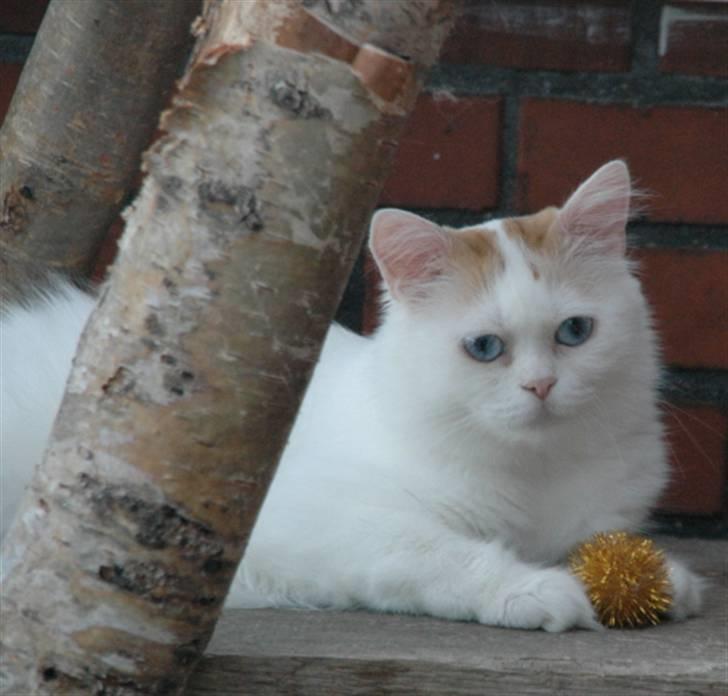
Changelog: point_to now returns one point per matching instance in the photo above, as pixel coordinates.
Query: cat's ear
(599, 209)
(410, 251)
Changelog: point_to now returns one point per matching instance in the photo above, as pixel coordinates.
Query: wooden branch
(98, 75)
(192, 368)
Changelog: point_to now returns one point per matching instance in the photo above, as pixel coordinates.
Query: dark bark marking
(154, 525)
(213, 566)
(171, 185)
(13, 213)
(149, 343)
(298, 101)
(187, 653)
(173, 383)
(170, 286)
(122, 382)
(136, 577)
(49, 674)
(230, 205)
(152, 581)
(153, 325)
(85, 453)
(176, 381)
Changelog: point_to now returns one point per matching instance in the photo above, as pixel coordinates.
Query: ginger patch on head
(538, 232)
(474, 256)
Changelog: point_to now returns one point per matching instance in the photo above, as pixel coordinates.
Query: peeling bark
(99, 73)
(193, 366)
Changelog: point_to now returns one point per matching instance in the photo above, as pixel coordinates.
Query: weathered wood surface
(303, 652)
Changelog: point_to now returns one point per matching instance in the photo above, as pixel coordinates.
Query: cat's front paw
(687, 590)
(550, 599)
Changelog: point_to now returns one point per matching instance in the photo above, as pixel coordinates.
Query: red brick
(448, 156)
(547, 35)
(21, 16)
(107, 253)
(688, 291)
(697, 442)
(694, 38)
(9, 76)
(679, 154)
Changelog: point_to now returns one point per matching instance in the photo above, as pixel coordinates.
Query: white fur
(37, 344)
(417, 479)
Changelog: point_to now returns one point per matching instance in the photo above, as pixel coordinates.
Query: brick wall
(529, 98)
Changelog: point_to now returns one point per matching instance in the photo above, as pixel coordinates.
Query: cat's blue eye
(484, 348)
(574, 331)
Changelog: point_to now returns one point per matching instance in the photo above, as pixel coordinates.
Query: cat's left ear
(599, 209)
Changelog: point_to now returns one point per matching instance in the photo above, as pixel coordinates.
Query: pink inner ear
(599, 208)
(409, 250)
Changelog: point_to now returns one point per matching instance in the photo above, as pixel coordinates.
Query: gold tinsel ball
(626, 578)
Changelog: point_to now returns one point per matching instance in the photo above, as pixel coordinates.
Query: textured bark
(87, 103)
(191, 370)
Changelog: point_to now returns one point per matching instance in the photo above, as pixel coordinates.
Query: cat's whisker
(676, 463)
(714, 465)
(674, 407)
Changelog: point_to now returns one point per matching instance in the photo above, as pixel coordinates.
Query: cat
(504, 411)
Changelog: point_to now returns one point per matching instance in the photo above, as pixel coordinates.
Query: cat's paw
(551, 599)
(687, 590)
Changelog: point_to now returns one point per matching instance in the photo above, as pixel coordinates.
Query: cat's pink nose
(540, 387)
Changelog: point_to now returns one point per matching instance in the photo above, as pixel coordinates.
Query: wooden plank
(307, 652)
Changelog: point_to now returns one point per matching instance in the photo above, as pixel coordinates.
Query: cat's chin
(533, 426)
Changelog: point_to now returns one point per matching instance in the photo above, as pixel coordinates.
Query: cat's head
(518, 324)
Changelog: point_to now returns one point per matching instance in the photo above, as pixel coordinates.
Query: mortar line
(645, 29)
(639, 90)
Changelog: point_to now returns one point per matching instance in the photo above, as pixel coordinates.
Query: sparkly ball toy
(625, 577)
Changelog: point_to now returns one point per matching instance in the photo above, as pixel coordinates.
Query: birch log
(87, 103)
(191, 370)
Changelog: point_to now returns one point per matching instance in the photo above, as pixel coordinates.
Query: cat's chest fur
(537, 506)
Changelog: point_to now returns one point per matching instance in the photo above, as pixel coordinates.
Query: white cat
(504, 412)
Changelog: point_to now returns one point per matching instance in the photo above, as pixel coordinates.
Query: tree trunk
(87, 103)
(192, 368)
